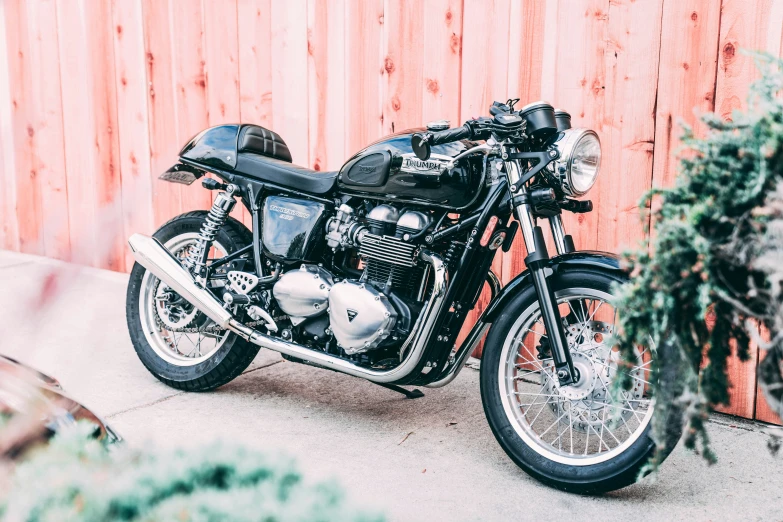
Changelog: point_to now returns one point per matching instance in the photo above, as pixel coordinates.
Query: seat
(258, 140)
(272, 170)
(263, 155)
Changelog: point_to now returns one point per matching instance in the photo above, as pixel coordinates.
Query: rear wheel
(579, 438)
(176, 342)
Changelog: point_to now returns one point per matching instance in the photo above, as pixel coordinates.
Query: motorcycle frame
(441, 360)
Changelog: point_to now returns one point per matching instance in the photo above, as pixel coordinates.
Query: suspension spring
(453, 254)
(216, 218)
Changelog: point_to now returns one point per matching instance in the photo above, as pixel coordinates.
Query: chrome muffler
(153, 256)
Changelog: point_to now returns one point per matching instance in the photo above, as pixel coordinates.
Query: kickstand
(410, 394)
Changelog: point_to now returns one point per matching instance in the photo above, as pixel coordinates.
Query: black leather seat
(284, 174)
(263, 155)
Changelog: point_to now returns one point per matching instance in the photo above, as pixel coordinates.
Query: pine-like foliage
(76, 478)
(712, 276)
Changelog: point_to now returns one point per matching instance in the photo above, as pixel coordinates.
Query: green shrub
(715, 252)
(77, 478)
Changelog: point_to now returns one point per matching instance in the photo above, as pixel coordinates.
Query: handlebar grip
(449, 135)
(422, 142)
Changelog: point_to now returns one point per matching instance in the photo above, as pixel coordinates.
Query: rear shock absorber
(197, 256)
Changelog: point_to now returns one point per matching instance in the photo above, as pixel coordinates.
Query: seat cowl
(218, 146)
(215, 146)
(285, 174)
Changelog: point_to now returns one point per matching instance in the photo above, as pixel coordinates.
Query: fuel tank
(389, 170)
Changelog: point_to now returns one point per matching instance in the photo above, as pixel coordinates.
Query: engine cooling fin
(389, 249)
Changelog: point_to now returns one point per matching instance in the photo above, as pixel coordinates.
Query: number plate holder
(181, 173)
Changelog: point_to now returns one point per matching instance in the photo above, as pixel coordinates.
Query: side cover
(292, 228)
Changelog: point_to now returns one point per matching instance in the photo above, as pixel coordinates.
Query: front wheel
(576, 438)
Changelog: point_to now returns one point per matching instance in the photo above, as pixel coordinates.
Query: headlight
(579, 161)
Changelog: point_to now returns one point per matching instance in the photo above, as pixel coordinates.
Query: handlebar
(422, 142)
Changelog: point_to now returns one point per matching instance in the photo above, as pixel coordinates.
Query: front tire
(199, 361)
(574, 438)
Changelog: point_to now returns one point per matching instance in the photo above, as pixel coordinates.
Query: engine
(377, 308)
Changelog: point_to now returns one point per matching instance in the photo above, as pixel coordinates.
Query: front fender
(585, 258)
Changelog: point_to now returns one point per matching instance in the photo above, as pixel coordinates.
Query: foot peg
(242, 282)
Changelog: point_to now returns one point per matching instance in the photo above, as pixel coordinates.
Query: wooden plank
(29, 215)
(132, 120)
(47, 125)
(289, 76)
(364, 66)
(221, 46)
(755, 26)
(743, 26)
(580, 81)
(485, 55)
(77, 114)
(101, 105)
(525, 74)
(764, 411)
(190, 61)
(255, 65)
(631, 81)
(255, 62)
(686, 78)
(485, 43)
(442, 61)
(9, 227)
(326, 84)
(743, 387)
(161, 103)
(403, 65)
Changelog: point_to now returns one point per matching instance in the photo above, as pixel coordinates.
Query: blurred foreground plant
(76, 477)
(717, 252)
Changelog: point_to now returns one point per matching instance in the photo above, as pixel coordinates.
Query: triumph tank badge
(413, 165)
(351, 314)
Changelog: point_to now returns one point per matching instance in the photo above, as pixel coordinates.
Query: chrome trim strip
(155, 258)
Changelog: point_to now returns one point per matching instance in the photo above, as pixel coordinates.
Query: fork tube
(537, 261)
(558, 234)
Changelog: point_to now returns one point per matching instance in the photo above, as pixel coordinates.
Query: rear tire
(515, 430)
(232, 354)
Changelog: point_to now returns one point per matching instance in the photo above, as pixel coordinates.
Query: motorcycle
(371, 271)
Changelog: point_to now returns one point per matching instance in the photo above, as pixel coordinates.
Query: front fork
(537, 261)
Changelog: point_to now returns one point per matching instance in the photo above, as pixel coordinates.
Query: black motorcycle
(372, 270)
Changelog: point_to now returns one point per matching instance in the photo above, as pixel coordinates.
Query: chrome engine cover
(360, 316)
(303, 293)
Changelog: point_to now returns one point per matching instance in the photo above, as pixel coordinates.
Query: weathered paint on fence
(97, 97)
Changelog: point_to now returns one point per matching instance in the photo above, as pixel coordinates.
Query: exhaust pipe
(154, 257)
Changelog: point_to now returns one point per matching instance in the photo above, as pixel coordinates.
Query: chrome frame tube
(458, 359)
(155, 258)
(558, 233)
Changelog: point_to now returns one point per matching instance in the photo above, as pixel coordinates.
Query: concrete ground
(428, 459)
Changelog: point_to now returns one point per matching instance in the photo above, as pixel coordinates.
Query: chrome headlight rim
(567, 146)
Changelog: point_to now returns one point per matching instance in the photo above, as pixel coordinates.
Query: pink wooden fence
(97, 96)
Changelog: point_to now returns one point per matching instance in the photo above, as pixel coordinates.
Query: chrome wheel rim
(178, 348)
(578, 425)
